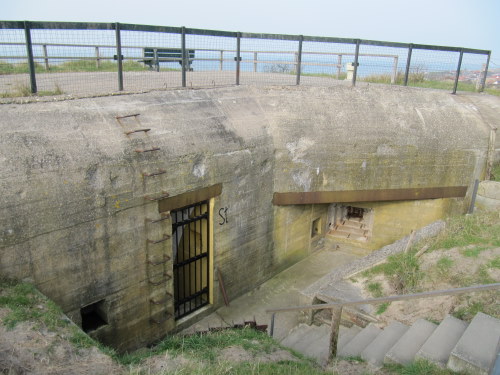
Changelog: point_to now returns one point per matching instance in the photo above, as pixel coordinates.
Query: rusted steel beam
(182, 200)
(317, 197)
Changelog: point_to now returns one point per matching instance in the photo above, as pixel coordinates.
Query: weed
(494, 263)
(418, 367)
(495, 171)
(382, 308)
(444, 264)
(474, 252)
(375, 289)
(481, 229)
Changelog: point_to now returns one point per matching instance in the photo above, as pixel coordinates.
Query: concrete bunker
(131, 223)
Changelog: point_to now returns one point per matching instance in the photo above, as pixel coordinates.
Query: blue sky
(460, 23)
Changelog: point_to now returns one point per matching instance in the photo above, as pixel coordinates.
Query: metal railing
(337, 307)
(308, 52)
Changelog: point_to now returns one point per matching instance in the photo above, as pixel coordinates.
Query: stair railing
(337, 307)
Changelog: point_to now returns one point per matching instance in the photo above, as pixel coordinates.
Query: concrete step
(353, 224)
(476, 349)
(347, 235)
(441, 342)
(375, 352)
(312, 341)
(404, 350)
(359, 342)
(348, 335)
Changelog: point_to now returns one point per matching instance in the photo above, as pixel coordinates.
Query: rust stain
(317, 197)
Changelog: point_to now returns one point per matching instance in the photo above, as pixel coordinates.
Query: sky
(457, 23)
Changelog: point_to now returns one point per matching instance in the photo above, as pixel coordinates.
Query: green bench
(154, 56)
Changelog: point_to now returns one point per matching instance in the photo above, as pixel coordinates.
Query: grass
(21, 90)
(77, 66)
(419, 367)
(375, 289)
(382, 308)
(477, 229)
(26, 303)
(495, 171)
(402, 271)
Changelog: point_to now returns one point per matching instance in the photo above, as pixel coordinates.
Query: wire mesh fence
(325, 62)
(81, 59)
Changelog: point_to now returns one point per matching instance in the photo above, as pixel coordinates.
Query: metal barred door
(190, 242)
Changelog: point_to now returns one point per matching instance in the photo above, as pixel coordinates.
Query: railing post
(31, 61)
(299, 59)
(238, 57)
(119, 56)
(45, 57)
(473, 198)
(408, 63)
(485, 73)
(394, 71)
(356, 55)
(183, 51)
(458, 71)
(334, 334)
(271, 328)
(221, 60)
(97, 59)
(155, 57)
(339, 65)
(255, 62)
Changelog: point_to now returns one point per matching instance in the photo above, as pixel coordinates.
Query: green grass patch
(402, 270)
(77, 66)
(477, 229)
(494, 263)
(21, 90)
(444, 264)
(375, 289)
(27, 304)
(495, 171)
(419, 367)
(473, 252)
(382, 308)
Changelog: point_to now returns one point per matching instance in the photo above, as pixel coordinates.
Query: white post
(339, 66)
(394, 71)
(97, 59)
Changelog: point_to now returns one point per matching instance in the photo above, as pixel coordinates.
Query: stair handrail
(337, 307)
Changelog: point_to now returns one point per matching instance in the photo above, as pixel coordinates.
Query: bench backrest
(165, 53)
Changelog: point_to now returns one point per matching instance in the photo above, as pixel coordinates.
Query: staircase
(454, 344)
(353, 228)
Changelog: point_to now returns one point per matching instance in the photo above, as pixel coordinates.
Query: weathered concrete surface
(488, 196)
(476, 350)
(438, 347)
(72, 193)
(403, 352)
(375, 352)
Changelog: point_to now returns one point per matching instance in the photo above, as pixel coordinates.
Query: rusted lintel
(145, 130)
(163, 196)
(317, 197)
(147, 150)
(133, 115)
(164, 238)
(166, 277)
(153, 174)
(185, 199)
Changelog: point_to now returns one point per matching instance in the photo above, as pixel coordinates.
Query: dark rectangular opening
(191, 250)
(93, 316)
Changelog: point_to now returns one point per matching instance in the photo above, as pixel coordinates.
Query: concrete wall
(72, 192)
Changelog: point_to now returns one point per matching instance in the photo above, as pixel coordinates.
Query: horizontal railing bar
(435, 293)
(220, 33)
